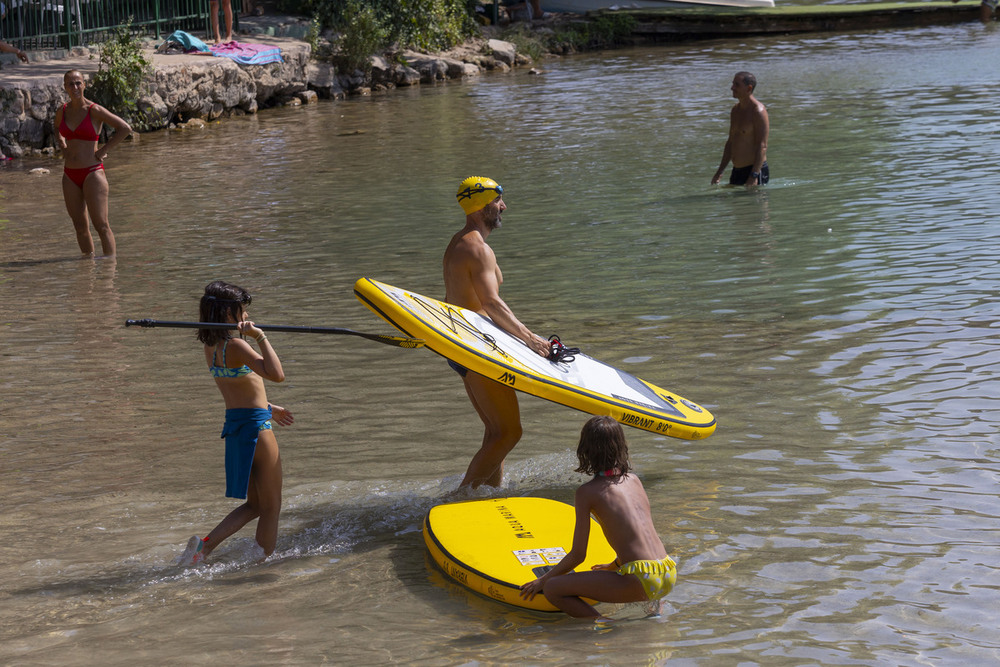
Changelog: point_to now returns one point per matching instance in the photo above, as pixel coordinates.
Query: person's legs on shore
(227, 17)
(213, 18)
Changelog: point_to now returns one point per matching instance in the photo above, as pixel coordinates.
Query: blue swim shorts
(240, 431)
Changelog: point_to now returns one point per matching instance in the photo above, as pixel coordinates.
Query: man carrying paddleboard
(472, 280)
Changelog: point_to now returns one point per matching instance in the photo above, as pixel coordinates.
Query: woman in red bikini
(85, 187)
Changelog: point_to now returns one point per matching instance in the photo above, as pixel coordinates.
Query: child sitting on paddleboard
(642, 570)
(253, 465)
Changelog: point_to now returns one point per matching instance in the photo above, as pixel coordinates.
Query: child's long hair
(219, 302)
(602, 447)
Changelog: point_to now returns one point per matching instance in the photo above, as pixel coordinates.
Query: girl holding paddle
(253, 464)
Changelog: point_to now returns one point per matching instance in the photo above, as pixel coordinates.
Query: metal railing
(54, 24)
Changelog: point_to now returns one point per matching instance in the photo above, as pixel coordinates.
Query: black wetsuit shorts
(740, 176)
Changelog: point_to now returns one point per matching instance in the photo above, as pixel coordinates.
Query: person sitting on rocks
(530, 9)
(250, 9)
(986, 9)
(8, 48)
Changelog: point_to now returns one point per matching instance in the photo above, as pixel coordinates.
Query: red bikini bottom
(78, 176)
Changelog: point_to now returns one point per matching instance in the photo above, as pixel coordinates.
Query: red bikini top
(84, 131)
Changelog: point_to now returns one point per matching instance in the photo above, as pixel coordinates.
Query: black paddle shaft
(398, 341)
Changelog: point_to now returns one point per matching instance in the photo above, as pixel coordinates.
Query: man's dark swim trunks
(461, 370)
(741, 175)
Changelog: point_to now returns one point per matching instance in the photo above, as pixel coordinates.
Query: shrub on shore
(367, 27)
(359, 29)
(123, 70)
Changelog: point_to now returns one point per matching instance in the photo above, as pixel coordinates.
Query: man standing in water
(472, 280)
(748, 130)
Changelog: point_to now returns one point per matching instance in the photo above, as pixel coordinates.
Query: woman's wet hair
(602, 447)
(219, 302)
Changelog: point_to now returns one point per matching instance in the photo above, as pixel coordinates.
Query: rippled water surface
(838, 322)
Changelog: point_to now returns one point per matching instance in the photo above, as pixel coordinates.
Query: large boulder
(437, 68)
(503, 51)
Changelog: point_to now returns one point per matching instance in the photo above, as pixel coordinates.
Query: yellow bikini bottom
(657, 576)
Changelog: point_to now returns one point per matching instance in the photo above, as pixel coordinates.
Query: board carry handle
(397, 341)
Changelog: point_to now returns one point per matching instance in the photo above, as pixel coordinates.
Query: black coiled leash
(561, 353)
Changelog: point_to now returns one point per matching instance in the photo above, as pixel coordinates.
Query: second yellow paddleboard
(495, 546)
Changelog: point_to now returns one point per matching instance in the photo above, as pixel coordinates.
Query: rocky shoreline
(187, 90)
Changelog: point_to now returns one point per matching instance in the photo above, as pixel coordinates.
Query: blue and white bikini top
(222, 371)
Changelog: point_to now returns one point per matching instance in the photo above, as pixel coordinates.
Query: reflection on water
(837, 322)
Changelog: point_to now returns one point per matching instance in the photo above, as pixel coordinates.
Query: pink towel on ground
(248, 54)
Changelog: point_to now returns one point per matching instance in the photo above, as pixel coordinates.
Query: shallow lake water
(839, 322)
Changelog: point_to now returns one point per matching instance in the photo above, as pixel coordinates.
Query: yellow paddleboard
(473, 341)
(495, 546)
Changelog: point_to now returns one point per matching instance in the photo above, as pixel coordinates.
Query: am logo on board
(514, 523)
(459, 575)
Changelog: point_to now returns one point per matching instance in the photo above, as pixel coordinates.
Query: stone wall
(188, 87)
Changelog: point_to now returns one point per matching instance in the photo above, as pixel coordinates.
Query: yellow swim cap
(475, 192)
